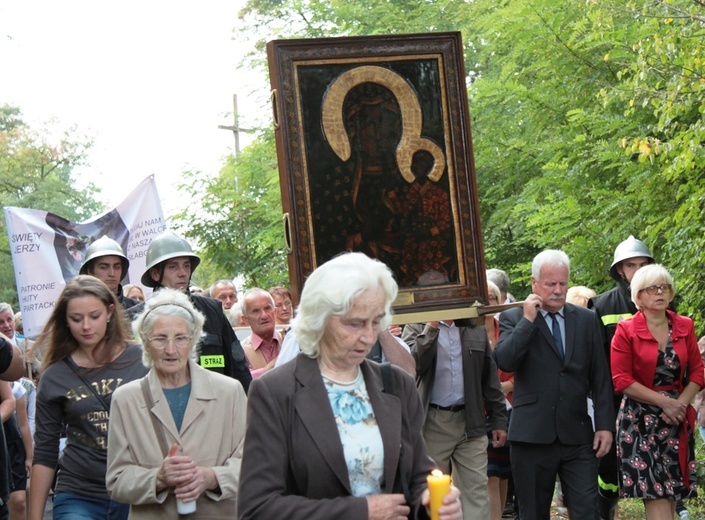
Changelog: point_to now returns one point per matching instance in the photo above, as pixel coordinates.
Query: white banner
(48, 250)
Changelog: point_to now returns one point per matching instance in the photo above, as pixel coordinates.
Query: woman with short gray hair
(168, 305)
(176, 435)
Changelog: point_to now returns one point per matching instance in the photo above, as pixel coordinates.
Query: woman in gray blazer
(331, 434)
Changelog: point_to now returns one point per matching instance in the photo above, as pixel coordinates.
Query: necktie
(556, 329)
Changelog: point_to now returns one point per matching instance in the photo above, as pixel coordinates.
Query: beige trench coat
(212, 434)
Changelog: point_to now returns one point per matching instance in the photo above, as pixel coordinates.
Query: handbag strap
(85, 381)
(144, 383)
(388, 388)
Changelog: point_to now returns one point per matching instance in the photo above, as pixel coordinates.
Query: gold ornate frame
(374, 150)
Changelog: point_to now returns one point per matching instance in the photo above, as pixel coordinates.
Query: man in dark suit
(555, 351)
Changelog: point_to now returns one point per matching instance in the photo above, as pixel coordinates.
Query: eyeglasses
(287, 304)
(654, 289)
(161, 342)
(493, 298)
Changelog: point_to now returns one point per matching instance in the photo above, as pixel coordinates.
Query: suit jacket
(294, 466)
(483, 392)
(550, 396)
(212, 434)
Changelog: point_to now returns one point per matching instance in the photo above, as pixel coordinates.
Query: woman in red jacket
(657, 366)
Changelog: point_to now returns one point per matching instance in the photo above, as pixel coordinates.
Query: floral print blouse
(359, 435)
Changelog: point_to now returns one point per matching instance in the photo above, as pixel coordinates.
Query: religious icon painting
(375, 155)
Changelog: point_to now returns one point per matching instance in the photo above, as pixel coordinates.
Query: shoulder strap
(387, 379)
(76, 371)
(388, 388)
(255, 357)
(144, 384)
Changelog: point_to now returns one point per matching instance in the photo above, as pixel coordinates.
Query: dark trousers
(535, 466)
(4, 476)
(608, 469)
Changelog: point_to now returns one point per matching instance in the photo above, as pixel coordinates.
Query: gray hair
(234, 314)
(255, 291)
(331, 290)
(6, 307)
(168, 302)
(552, 257)
(211, 291)
(499, 278)
(651, 274)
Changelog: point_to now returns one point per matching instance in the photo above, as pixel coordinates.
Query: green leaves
(236, 217)
(587, 122)
(613, 147)
(36, 171)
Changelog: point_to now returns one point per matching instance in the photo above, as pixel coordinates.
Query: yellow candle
(438, 487)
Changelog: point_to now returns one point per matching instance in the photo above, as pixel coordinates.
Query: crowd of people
(186, 401)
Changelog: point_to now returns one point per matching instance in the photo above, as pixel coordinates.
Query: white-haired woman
(656, 364)
(178, 433)
(326, 437)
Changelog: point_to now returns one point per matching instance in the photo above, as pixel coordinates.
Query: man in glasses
(612, 307)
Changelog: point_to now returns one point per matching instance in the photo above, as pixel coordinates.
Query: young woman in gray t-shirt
(87, 356)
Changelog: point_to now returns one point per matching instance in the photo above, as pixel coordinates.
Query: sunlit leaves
(36, 171)
(587, 121)
(235, 217)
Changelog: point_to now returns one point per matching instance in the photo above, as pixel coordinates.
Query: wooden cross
(235, 129)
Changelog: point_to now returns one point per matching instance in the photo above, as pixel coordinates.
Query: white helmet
(629, 248)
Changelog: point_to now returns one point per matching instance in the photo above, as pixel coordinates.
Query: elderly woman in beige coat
(176, 436)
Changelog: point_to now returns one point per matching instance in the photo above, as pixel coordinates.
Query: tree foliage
(587, 121)
(235, 218)
(589, 128)
(36, 171)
